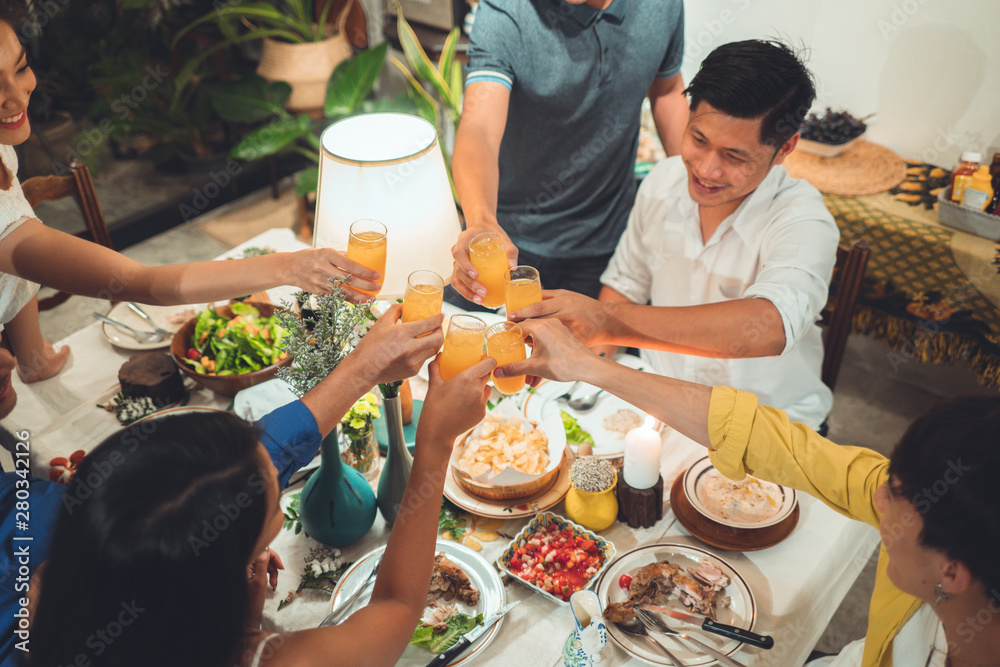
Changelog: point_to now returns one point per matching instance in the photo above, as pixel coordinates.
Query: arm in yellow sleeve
(748, 438)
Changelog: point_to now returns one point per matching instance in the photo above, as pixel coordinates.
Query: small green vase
(398, 461)
(337, 506)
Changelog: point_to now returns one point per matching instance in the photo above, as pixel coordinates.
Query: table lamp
(388, 167)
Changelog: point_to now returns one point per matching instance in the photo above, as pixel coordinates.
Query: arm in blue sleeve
(291, 437)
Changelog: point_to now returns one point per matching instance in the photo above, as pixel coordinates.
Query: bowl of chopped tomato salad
(556, 557)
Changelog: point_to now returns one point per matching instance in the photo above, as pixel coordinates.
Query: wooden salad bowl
(225, 385)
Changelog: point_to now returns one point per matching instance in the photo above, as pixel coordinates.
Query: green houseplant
(295, 49)
(446, 80)
(252, 100)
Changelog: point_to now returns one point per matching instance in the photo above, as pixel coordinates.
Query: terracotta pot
(306, 67)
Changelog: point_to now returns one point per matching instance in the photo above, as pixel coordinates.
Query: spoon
(562, 399)
(141, 336)
(142, 313)
(654, 624)
(635, 627)
(586, 402)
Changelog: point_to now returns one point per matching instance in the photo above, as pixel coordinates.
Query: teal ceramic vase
(398, 461)
(337, 506)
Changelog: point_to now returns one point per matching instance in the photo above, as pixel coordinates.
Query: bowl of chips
(506, 457)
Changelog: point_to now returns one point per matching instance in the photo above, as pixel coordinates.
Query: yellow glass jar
(594, 510)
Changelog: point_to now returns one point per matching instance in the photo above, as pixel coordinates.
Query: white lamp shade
(388, 167)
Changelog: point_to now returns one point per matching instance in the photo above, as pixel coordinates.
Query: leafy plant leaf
(417, 57)
(249, 100)
(352, 81)
(296, 30)
(269, 139)
(308, 181)
(427, 106)
(448, 52)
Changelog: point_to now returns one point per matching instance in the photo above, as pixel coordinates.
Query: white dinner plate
(742, 610)
(481, 574)
(607, 444)
(160, 314)
(725, 512)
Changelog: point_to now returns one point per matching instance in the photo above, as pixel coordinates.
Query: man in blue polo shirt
(546, 147)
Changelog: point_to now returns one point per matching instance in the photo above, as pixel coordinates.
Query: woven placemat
(863, 169)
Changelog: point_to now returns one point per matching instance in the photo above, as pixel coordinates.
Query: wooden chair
(78, 184)
(839, 314)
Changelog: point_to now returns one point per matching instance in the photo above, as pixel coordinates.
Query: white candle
(642, 458)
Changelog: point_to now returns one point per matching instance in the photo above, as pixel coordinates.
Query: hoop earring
(942, 596)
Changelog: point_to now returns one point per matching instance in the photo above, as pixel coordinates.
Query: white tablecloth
(798, 584)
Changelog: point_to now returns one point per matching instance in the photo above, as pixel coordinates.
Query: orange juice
(488, 257)
(423, 297)
(505, 343)
(522, 288)
(421, 302)
(463, 345)
(367, 246)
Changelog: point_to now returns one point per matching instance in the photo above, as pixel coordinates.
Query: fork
(654, 624)
(134, 307)
(141, 336)
(334, 616)
(563, 399)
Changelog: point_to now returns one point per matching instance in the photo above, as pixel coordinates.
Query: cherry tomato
(193, 354)
(625, 581)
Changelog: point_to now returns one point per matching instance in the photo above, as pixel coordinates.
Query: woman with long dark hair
(149, 559)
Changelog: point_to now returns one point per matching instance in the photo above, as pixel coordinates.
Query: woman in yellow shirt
(937, 593)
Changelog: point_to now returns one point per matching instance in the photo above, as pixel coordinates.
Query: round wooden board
(724, 537)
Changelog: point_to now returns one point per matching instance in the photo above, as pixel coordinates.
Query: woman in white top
(33, 254)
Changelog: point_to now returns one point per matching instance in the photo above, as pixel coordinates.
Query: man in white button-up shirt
(732, 256)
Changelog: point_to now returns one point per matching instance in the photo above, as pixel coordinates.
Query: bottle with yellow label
(978, 191)
(960, 177)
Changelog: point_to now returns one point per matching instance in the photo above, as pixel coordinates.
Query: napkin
(551, 426)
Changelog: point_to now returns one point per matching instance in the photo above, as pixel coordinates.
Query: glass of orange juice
(489, 257)
(367, 246)
(423, 297)
(505, 343)
(463, 345)
(523, 287)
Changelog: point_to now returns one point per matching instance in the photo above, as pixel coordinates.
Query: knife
(731, 631)
(472, 635)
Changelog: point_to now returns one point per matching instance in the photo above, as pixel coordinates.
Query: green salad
(231, 346)
(575, 435)
(458, 625)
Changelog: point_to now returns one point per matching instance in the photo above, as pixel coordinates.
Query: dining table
(797, 584)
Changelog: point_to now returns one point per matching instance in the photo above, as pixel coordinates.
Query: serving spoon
(636, 628)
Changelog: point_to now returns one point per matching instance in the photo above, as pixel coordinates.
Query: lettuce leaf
(458, 625)
(575, 435)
